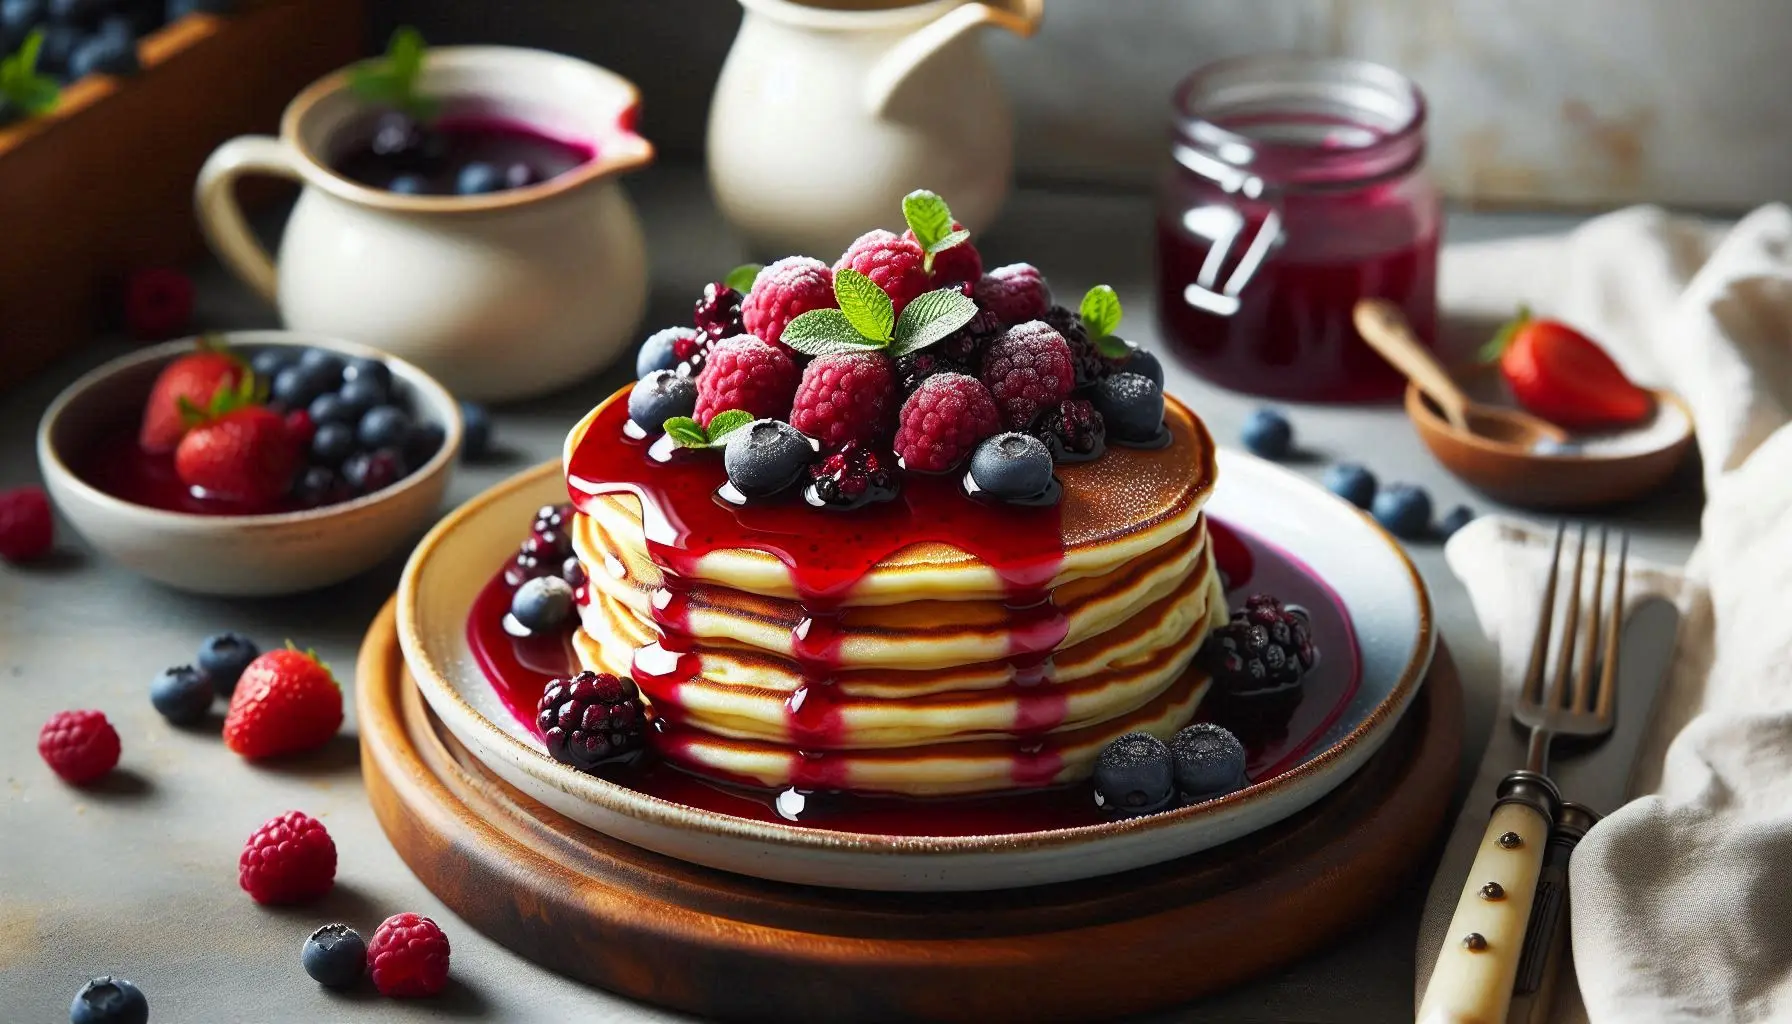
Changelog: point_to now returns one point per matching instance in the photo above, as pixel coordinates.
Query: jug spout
(900, 64)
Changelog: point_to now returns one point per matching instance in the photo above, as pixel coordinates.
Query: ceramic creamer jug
(824, 117)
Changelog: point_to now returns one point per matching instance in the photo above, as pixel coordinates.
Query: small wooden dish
(1606, 468)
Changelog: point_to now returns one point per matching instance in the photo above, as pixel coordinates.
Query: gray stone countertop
(138, 878)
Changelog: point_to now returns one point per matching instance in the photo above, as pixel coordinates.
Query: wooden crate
(103, 185)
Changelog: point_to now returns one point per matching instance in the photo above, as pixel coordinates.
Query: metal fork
(1586, 706)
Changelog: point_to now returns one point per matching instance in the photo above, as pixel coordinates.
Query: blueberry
(182, 695)
(402, 139)
(573, 571)
(335, 956)
(1352, 482)
(122, 25)
(325, 363)
(223, 657)
(373, 372)
(765, 456)
(362, 395)
(332, 443)
(59, 44)
(1133, 775)
(1459, 517)
(658, 352)
(660, 396)
(384, 426)
(408, 185)
(1131, 405)
(366, 472)
(425, 440)
(1143, 363)
(1209, 762)
(1268, 433)
(475, 431)
(296, 386)
(104, 54)
(330, 408)
(18, 18)
(181, 8)
(520, 174)
(268, 363)
(542, 604)
(109, 1001)
(1403, 510)
(1012, 466)
(78, 12)
(477, 178)
(318, 486)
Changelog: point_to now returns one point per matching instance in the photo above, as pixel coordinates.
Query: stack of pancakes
(921, 693)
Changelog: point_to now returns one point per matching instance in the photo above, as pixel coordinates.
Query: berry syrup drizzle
(1277, 736)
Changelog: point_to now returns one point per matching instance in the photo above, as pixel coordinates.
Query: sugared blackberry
(551, 517)
(849, 476)
(1264, 650)
(965, 346)
(1087, 360)
(1073, 430)
(525, 567)
(545, 549)
(591, 719)
(916, 367)
(717, 313)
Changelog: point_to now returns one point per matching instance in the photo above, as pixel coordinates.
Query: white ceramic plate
(1378, 586)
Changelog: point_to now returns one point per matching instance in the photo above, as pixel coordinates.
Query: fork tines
(1588, 687)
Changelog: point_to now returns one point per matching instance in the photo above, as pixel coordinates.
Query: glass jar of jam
(1296, 189)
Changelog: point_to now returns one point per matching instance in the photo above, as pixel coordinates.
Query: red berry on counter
(408, 957)
(196, 378)
(286, 702)
(289, 859)
(26, 527)
(80, 746)
(158, 303)
(1565, 377)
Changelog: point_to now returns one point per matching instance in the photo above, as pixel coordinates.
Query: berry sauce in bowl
(457, 154)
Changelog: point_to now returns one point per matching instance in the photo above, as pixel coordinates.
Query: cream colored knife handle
(1472, 981)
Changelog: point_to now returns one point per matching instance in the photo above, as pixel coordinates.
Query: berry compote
(457, 154)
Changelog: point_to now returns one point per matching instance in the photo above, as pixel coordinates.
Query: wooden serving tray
(724, 945)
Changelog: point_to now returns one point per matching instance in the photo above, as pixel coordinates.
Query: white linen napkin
(1681, 901)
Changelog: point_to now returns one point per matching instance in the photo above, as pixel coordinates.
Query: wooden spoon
(1384, 327)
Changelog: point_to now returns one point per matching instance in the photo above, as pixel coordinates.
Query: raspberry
(26, 527)
(892, 263)
(850, 476)
(783, 291)
(1028, 369)
(1088, 361)
(290, 859)
(744, 372)
(962, 262)
(717, 313)
(943, 420)
(591, 718)
(1263, 651)
(158, 303)
(1073, 430)
(408, 956)
(80, 746)
(845, 397)
(916, 367)
(1015, 293)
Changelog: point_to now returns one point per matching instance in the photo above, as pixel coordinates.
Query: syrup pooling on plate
(1277, 737)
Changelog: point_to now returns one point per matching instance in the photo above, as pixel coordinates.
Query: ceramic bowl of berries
(250, 462)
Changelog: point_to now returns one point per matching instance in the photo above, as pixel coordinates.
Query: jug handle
(221, 216)
(906, 57)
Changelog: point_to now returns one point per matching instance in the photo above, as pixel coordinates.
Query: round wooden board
(724, 945)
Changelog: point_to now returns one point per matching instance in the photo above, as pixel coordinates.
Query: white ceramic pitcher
(497, 295)
(825, 117)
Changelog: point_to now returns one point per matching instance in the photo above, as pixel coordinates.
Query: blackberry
(965, 346)
(551, 517)
(849, 476)
(1073, 431)
(591, 719)
(916, 367)
(1263, 651)
(1085, 358)
(717, 313)
(545, 550)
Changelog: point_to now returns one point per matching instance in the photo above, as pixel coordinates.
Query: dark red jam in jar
(1295, 189)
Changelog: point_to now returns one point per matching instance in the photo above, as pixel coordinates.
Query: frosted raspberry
(1027, 369)
(845, 397)
(943, 420)
(891, 262)
(783, 291)
(962, 262)
(744, 372)
(1015, 293)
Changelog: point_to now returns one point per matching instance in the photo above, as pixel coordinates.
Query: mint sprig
(391, 80)
(20, 84)
(867, 322)
(930, 219)
(1100, 313)
(741, 278)
(691, 434)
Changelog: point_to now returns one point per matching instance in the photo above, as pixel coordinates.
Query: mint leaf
(1112, 347)
(864, 305)
(947, 241)
(741, 278)
(687, 432)
(20, 83)
(392, 79)
(928, 217)
(724, 423)
(930, 318)
(405, 52)
(823, 332)
(1100, 311)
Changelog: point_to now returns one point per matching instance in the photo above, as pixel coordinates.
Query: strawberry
(196, 378)
(286, 702)
(237, 450)
(1564, 376)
